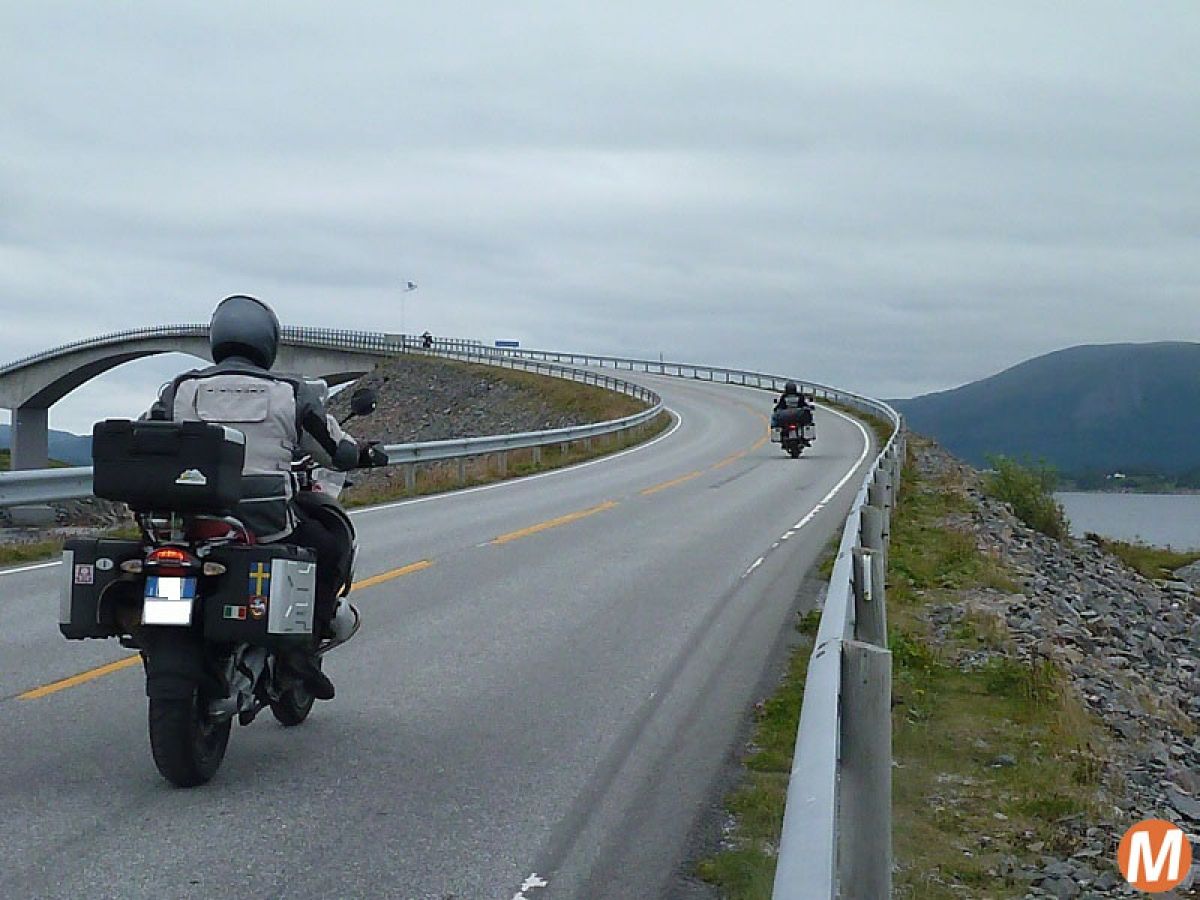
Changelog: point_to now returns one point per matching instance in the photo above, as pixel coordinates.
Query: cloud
(891, 199)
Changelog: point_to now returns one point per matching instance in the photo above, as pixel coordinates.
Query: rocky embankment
(1129, 646)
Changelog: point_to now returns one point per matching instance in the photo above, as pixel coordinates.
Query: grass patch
(18, 552)
(29, 551)
(744, 869)
(589, 402)
(991, 758)
(1152, 562)
(1029, 489)
(927, 555)
(435, 478)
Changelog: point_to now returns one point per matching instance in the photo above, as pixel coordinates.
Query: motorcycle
(790, 430)
(213, 612)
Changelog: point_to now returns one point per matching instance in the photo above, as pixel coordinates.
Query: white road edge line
(449, 494)
(43, 565)
(529, 884)
(825, 501)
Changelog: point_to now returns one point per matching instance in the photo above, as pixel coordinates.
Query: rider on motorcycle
(283, 417)
(791, 398)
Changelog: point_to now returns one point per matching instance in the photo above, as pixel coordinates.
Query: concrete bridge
(30, 386)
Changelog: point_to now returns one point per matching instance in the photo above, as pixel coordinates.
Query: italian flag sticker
(235, 612)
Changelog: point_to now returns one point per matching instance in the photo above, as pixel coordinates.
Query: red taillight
(168, 555)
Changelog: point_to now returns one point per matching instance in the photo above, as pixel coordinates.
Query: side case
(90, 575)
(267, 596)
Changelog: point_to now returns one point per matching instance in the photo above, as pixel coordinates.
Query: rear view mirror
(363, 402)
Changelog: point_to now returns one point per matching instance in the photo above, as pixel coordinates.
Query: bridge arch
(30, 386)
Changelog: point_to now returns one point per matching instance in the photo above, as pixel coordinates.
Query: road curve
(550, 676)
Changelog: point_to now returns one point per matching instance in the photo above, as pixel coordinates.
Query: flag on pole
(410, 285)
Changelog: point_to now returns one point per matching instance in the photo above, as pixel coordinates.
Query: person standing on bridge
(283, 417)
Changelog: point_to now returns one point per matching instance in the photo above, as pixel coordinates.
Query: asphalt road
(549, 679)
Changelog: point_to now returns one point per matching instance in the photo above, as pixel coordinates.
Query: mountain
(70, 448)
(1091, 409)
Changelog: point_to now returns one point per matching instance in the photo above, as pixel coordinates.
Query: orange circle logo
(1155, 855)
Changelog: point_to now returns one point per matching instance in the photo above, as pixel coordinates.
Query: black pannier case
(168, 466)
(267, 596)
(90, 574)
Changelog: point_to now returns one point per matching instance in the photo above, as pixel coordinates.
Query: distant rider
(283, 417)
(791, 398)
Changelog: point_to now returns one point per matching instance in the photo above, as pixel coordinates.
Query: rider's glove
(372, 455)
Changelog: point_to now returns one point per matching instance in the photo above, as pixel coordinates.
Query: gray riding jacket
(282, 416)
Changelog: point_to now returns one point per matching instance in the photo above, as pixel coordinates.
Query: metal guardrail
(837, 826)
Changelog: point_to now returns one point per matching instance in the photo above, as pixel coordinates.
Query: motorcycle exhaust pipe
(345, 624)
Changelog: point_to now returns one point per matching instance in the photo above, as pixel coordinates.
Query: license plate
(168, 601)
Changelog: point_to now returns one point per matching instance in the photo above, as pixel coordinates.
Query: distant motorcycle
(210, 609)
(793, 430)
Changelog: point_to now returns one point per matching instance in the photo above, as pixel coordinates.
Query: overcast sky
(895, 197)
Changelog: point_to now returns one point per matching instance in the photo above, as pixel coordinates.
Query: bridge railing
(291, 335)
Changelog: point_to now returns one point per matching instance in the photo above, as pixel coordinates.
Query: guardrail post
(462, 469)
(865, 811)
(870, 614)
(871, 536)
(410, 476)
(502, 463)
(537, 456)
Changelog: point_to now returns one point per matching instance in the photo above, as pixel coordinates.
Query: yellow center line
(100, 671)
(669, 484)
(553, 523)
(394, 573)
(732, 458)
(83, 677)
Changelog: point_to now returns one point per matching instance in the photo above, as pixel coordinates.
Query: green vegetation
(18, 552)
(1152, 562)
(435, 478)
(31, 551)
(745, 867)
(990, 756)
(588, 402)
(1029, 489)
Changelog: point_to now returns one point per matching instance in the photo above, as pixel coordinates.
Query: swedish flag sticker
(260, 581)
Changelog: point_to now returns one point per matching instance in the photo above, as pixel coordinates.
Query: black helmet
(790, 388)
(244, 326)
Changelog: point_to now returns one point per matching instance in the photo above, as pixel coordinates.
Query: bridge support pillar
(30, 440)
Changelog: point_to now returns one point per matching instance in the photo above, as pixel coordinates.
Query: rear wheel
(293, 707)
(187, 744)
(795, 451)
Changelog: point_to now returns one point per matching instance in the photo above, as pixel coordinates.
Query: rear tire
(293, 707)
(795, 451)
(188, 746)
